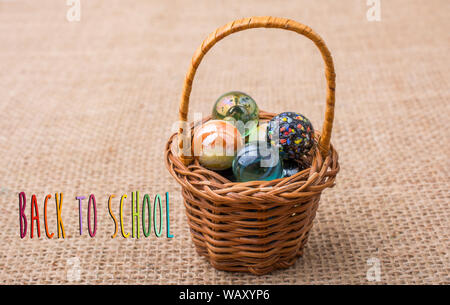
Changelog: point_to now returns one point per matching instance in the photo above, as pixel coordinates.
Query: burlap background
(86, 107)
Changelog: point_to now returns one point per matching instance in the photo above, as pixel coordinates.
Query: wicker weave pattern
(256, 226)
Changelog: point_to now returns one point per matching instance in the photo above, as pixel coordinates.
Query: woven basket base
(260, 267)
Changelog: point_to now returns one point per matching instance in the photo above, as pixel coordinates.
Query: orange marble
(215, 144)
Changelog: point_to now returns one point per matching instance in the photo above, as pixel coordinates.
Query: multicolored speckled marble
(293, 133)
(238, 108)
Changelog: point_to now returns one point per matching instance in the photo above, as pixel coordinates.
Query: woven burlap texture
(86, 108)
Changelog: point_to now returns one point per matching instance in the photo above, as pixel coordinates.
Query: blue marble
(257, 161)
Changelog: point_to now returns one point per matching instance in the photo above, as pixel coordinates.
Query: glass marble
(290, 168)
(215, 144)
(239, 108)
(258, 134)
(257, 161)
(292, 133)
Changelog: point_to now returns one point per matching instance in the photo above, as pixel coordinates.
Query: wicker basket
(255, 226)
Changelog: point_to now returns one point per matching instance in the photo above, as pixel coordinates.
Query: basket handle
(260, 22)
